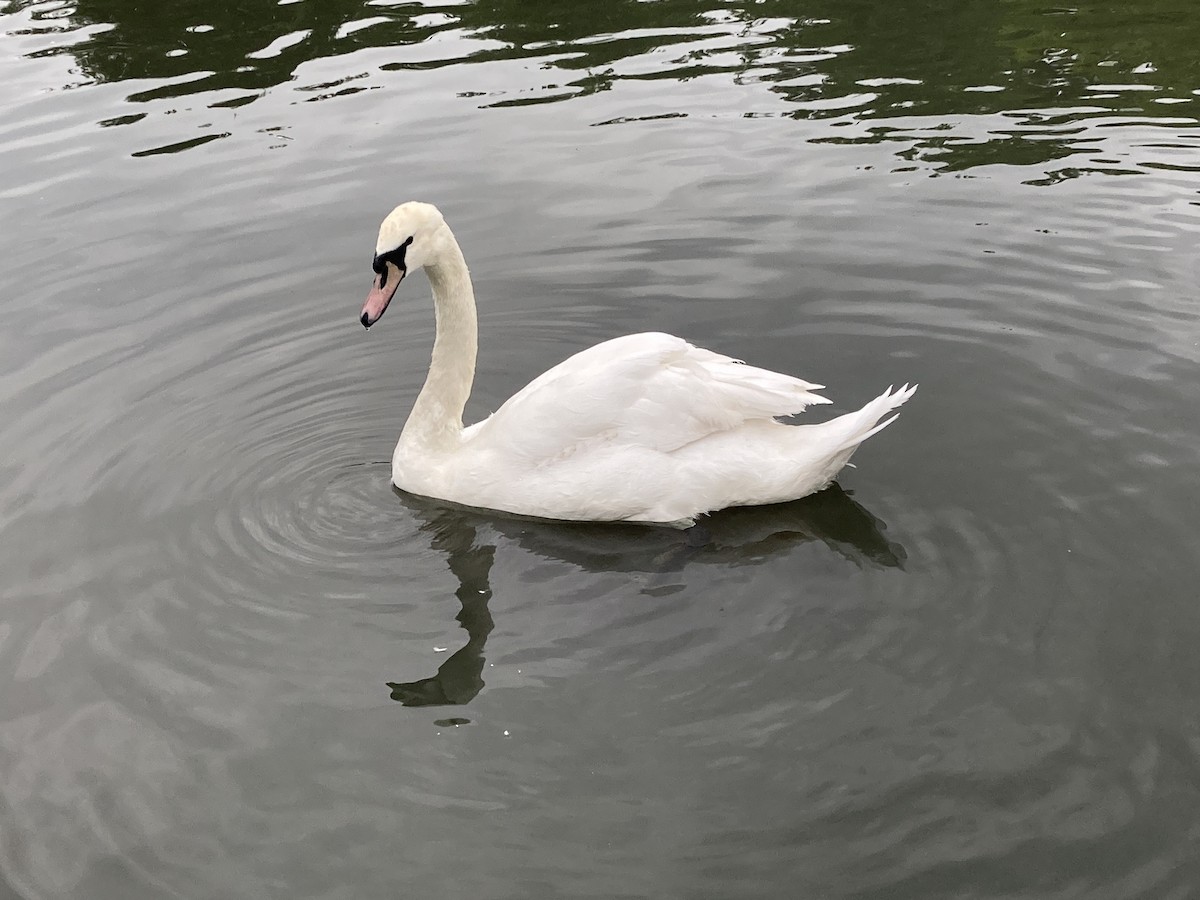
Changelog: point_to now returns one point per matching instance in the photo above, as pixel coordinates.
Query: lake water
(235, 663)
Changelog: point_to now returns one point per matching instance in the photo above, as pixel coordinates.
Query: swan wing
(652, 391)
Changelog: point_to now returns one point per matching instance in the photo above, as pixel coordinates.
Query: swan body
(640, 428)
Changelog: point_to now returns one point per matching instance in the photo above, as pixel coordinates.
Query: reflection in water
(200, 590)
(731, 537)
(900, 63)
(458, 679)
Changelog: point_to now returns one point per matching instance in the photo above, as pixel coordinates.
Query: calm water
(235, 663)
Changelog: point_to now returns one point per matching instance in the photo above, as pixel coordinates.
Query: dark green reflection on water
(731, 537)
(858, 61)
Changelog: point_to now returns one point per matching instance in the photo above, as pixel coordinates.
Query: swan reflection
(458, 679)
(732, 537)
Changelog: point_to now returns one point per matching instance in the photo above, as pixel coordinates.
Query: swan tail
(858, 426)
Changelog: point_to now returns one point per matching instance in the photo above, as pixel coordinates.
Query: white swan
(641, 428)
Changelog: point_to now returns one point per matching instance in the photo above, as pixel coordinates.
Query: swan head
(409, 238)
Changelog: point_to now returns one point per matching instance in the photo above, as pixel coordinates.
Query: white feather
(642, 428)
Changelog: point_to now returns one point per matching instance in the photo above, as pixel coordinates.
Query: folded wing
(649, 390)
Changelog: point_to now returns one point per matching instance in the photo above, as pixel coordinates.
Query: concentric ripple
(226, 642)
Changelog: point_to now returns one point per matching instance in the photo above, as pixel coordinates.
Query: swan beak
(381, 294)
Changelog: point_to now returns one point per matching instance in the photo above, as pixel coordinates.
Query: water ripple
(225, 639)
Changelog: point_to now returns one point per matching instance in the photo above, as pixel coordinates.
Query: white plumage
(641, 428)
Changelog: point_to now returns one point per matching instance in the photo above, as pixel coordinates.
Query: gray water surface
(235, 663)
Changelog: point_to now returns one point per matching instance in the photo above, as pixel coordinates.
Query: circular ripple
(304, 489)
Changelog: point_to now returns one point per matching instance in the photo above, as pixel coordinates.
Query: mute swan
(641, 428)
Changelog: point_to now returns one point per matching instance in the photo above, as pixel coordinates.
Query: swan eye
(380, 261)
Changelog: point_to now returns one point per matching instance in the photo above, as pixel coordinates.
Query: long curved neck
(436, 418)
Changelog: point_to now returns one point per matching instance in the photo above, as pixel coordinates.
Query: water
(235, 663)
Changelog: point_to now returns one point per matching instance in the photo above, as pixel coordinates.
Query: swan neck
(436, 418)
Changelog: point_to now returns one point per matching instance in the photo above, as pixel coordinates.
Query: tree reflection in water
(732, 537)
(910, 76)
